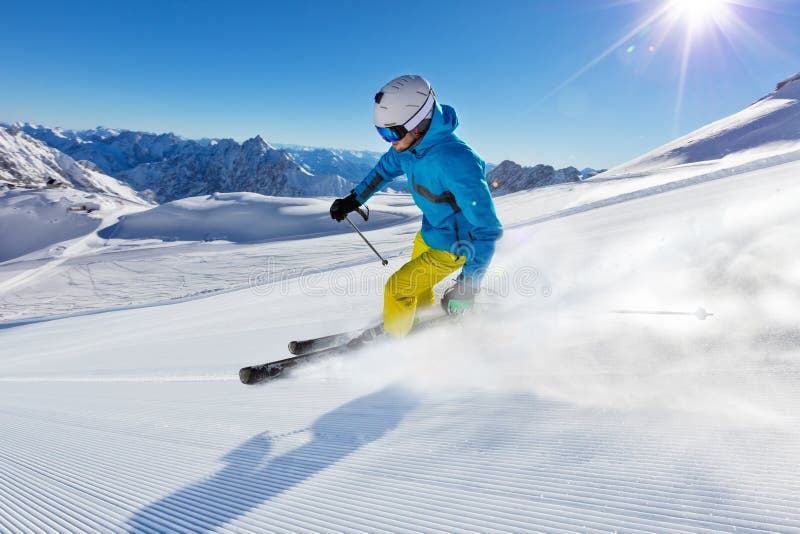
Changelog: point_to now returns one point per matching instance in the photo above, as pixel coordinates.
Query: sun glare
(690, 30)
(698, 12)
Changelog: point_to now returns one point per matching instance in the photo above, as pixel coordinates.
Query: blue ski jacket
(448, 182)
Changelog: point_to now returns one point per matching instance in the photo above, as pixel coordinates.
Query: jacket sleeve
(387, 169)
(467, 182)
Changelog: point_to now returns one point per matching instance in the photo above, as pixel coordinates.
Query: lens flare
(699, 12)
(689, 30)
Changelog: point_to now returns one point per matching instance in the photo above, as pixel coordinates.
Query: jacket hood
(443, 123)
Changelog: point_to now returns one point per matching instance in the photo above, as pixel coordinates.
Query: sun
(692, 30)
(700, 12)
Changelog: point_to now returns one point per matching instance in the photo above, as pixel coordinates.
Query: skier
(448, 183)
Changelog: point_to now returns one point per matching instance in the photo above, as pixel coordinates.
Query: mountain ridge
(510, 177)
(166, 166)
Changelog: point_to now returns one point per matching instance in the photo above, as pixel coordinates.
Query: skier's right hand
(342, 206)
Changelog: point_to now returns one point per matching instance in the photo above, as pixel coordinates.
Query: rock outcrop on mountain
(510, 177)
(352, 165)
(227, 166)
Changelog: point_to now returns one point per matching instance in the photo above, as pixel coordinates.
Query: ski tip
(293, 347)
(256, 374)
(245, 375)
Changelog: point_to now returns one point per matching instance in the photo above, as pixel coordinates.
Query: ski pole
(383, 261)
(700, 313)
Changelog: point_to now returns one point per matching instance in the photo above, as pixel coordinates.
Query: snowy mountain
(770, 126)
(28, 163)
(227, 166)
(509, 177)
(352, 165)
(589, 398)
(168, 167)
(111, 150)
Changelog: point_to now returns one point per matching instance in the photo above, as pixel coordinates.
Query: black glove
(342, 206)
(459, 298)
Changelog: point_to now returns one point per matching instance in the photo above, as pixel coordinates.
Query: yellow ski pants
(412, 285)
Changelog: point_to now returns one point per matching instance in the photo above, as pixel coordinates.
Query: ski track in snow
(549, 415)
(389, 460)
(196, 378)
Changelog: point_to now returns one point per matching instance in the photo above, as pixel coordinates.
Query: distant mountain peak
(510, 177)
(260, 142)
(787, 81)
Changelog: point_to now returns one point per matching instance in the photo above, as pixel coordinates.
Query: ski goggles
(391, 134)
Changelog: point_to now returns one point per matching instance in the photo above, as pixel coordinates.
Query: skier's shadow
(245, 482)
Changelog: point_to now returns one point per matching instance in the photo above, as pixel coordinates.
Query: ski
(325, 342)
(306, 346)
(255, 374)
(349, 341)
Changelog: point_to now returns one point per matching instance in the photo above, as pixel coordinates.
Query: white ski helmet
(401, 105)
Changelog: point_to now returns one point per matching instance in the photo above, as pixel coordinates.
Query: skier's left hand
(458, 298)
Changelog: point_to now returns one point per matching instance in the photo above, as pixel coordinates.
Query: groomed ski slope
(548, 413)
(178, 250)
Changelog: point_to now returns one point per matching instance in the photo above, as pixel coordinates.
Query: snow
(547, 413)
(236, 217)
(771, 123)
(31, 221)
(29, 163)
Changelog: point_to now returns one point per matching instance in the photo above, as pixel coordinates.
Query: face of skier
(404, 143)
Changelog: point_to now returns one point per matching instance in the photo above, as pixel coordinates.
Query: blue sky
(306, 72)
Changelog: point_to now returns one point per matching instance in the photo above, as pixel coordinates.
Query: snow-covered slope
(549, 414)
(770, 126)
(582, 401)
(189, 247)
(237, 217)
(30, 221)
(47, 199)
